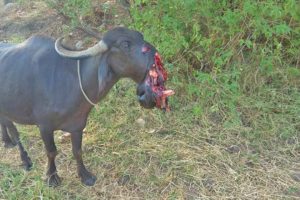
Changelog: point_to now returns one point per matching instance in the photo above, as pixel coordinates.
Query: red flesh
(155, 79)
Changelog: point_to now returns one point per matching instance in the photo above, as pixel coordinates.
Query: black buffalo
(39, 85)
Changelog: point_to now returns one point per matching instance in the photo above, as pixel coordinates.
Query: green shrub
(227, 53)
(214, 34)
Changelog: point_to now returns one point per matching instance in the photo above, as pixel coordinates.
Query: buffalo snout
(145, 96)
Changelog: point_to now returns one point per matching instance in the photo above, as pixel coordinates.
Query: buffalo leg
(8, 143)
(16, 138)
(48, 138)
(86, 177)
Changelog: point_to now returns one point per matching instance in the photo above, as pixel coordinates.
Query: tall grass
(231, 60)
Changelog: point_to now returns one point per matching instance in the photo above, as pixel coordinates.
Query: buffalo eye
(145, 49)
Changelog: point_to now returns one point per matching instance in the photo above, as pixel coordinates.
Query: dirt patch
(19, 22)
(24, 21)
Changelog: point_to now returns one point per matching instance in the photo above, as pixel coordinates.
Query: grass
(230, 135)
(172, 157)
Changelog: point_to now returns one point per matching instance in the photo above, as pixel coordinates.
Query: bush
(213, 34)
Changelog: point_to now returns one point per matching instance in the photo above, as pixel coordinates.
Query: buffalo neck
(97, 77)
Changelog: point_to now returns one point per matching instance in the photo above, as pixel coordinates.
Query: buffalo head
(128, 55)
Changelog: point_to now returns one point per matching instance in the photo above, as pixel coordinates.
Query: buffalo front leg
(15, 137)
(86, 177)
(48, 138)
(8, 143)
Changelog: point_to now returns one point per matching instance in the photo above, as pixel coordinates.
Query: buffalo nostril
(142, 98)
(141, 93)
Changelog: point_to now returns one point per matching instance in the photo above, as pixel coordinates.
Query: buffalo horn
(100, 47)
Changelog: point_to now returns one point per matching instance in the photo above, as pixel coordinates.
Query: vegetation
(74, 9)
(233, 132)
(238, 57)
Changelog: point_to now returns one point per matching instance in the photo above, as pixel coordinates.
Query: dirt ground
(19, 22)
(35, 18)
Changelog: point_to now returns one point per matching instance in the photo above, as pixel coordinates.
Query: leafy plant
(225, 51)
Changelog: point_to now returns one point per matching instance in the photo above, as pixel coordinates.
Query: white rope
(80, 83)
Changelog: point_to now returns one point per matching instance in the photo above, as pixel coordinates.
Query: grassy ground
(186, 154)
(173, 157)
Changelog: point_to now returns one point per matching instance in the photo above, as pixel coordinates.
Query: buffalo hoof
(27, 164)
(53, 180)
(88, 179)
(9, 145)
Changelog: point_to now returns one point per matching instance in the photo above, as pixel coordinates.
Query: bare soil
(25, 21)
(19, 22)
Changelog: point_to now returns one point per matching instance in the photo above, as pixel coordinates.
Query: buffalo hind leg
(48, 138)
(86, 177)
(15, 136)
(8, 143)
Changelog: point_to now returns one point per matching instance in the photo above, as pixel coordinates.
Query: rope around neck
(80, 84)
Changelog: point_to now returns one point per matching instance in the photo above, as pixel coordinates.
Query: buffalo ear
(103, 73)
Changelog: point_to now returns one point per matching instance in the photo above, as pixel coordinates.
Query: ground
(172, 156)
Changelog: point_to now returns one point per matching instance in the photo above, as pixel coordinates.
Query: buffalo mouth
(152, 92)
(145, 96)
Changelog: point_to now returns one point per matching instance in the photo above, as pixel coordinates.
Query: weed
(16, 39)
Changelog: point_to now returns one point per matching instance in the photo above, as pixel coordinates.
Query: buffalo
(38, 74)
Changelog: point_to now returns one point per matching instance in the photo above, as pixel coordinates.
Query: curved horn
(100, 47)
